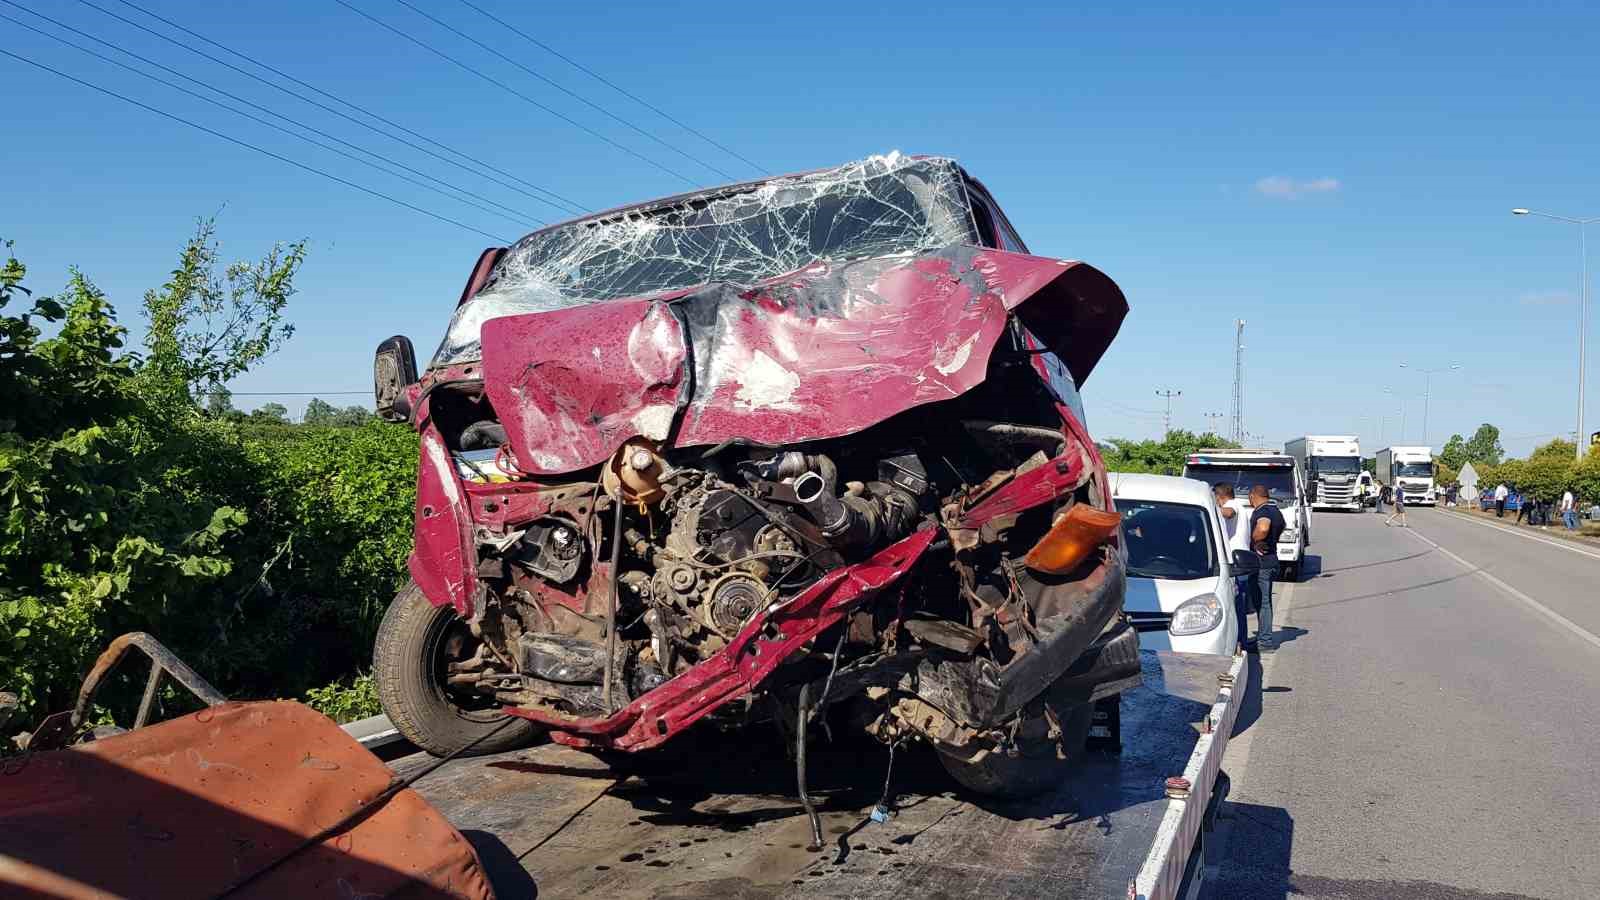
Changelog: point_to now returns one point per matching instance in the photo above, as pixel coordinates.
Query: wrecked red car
(810, 446)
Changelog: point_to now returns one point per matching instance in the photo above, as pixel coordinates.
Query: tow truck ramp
(718, 818)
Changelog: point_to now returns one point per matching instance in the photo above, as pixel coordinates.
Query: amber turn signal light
(1071, 539)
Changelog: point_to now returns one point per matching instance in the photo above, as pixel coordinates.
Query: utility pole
(1166, 425)
(1238, 381)
(1213, 420)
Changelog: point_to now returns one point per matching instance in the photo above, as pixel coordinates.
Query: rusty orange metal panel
(193, 806)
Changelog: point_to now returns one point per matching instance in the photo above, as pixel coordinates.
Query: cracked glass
(881, 206)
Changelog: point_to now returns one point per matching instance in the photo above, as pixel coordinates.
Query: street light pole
(1427, 393)
(1583, 302)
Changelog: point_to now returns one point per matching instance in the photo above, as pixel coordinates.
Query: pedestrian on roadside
(1234, 513)
(1526, 506)
(1569, 511)
(1501, 492)
(1399, 510)
(1385, 494)
(1266, 526)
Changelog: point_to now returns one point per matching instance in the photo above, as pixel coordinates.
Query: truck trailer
(1409, 470)
(1332, 467)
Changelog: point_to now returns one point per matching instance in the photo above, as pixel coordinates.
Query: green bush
(262, 554)
(346, 702)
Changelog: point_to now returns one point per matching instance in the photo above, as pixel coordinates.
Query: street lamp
(1427, 379)
(1402, 401)
(1583, 300)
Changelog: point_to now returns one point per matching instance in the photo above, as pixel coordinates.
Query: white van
(1180, 575)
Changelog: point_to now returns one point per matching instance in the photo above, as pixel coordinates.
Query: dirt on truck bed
(720, 819)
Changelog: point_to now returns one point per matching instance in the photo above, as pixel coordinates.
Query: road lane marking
(1533, 604)
(1558, 544)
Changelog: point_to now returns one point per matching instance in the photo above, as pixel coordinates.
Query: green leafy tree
(321, 412)
(269, 414)
(207, 328)
(1484, 446)
(1454, 453)
(1166, 456)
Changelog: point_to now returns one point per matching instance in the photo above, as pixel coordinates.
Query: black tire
(1035, 770)
(408, 663)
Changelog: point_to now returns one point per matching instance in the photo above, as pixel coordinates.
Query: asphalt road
(1430, 726)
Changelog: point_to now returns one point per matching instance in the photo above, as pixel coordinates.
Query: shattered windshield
(880, 206)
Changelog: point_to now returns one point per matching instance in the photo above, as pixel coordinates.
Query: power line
(578, 97)
(559, 202)
(516, 215)
(511, 90)
(603, 80)
(249, 146)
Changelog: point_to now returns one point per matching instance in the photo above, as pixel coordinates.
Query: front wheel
(416, 642)
(1037, 768)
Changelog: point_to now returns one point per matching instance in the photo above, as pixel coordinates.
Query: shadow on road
(1255, 862)
(1328, 573)
(1392, 591)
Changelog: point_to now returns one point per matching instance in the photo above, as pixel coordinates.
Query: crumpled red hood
(819, 353)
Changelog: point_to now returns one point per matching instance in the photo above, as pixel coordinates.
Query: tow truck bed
(721, 821)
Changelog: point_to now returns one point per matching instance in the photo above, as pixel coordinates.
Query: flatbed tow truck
(1131, 821)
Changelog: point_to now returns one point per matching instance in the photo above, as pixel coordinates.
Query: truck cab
(1285, 483)
(1331, 465)
(1410, 471)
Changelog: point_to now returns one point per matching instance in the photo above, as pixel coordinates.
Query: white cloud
(1545, 298)
(1282, 187)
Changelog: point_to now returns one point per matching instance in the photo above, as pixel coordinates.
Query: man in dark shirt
(1266, 526)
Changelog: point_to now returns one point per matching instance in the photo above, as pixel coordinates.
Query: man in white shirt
(1569, 512)
(1236, 526)
(1500, 495)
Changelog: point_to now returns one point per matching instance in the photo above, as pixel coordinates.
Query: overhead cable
(484, 76)
(544, 195)
(249, 146)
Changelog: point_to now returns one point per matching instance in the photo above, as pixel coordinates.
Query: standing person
(1383, 497)
(1266, 526)
(1500, 494)
(1399, 510)
(1234, 513)
(1569, 511)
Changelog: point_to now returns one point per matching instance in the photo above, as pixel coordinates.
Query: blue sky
(1339, 178)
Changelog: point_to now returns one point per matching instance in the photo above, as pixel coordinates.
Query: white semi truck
(1409, 470)
(1281, 476)
(1332, 467)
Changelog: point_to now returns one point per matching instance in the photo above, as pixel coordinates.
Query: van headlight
(1196, 616)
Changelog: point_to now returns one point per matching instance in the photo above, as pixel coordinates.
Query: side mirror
(394, 368)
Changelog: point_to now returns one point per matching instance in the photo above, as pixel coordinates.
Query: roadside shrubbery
(263, 555)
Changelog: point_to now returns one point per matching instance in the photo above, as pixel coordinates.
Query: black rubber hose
(802, 715)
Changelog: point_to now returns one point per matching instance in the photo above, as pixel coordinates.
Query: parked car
(1180, 576)
(1513, 500)
(759, 452)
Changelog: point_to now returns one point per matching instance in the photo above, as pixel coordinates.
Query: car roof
(1169, 488)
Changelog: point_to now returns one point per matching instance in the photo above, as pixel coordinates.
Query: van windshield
(880, 206)
(1167, 540)
(1278, 479)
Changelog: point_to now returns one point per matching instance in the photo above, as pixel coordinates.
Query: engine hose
(802, 714)
(611, 611)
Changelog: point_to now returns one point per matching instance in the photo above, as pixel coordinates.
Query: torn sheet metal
(192, 806)
(818, 353)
